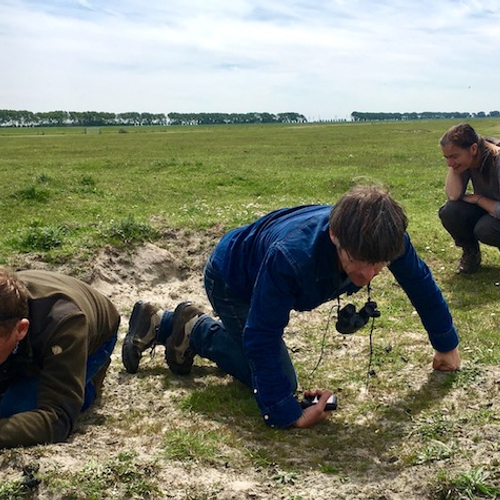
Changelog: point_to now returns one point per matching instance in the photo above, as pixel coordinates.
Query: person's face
(459, 159)
(8, 342)
(359, 272)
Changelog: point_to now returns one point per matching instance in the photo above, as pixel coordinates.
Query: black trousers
(469, 224)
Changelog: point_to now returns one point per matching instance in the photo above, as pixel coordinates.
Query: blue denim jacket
(286, 260)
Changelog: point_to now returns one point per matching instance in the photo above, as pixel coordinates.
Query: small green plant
(32, 193)
(436, 450)
(435, 427)
(129, 231)
(329, 469)
(39, 238)
(88, 184)
(43, 178)
(185, 444)
(466, 376)
(285, 477)
(467, 485)
(14, 490)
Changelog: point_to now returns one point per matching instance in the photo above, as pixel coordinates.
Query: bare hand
(446, 361)
(315, 413)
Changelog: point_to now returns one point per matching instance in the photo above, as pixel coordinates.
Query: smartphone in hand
(312, 400)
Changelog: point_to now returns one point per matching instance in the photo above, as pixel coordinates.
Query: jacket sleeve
(61, 389)
(272, 301)
(417, 281)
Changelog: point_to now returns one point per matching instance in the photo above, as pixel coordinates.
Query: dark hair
(13, 301)
(369, 224)
(464, 136)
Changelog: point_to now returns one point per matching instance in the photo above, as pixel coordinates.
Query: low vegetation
(401, 431)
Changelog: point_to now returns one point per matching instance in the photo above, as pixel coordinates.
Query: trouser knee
(459, 218)
(487, 231)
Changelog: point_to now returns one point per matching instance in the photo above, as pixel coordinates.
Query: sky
(321, 58)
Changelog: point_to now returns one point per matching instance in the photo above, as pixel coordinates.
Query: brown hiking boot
(470, 260)
(179, 355)
(142, 333)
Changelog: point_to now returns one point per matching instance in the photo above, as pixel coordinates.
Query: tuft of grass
(87, 185)
(471, 485)
(38, 237)
(282, 477)
(436, 450)
(43, 178)
(210, 400)
(191, 445)
(434, 427)
(96, 480)
(31, 194)
(14, 490)
(129, 231)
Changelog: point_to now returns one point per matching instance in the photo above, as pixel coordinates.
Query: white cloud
(326, 58)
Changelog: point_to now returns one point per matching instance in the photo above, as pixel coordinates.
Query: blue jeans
(222, 341)
(22, 395)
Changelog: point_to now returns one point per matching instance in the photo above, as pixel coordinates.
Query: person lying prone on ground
(56, 338)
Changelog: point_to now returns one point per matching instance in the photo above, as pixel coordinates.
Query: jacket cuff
(444, 342)
(282, 414)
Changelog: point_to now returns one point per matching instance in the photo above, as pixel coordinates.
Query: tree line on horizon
(426, 115)
(14, 118)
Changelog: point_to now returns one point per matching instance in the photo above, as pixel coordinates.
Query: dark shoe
(142, 333)
(179, 355)
(470, 261)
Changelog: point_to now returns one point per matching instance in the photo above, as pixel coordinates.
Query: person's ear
(22, 328)
(473, 149)
(333, 237)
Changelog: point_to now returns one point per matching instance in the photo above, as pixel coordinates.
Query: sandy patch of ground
(142, 412)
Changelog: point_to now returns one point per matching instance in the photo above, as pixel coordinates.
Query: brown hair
(369, 224)
(464, 136)
(13, 301)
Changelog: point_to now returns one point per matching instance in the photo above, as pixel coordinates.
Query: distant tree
(425, 115)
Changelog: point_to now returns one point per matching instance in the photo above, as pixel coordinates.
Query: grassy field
(67, 194)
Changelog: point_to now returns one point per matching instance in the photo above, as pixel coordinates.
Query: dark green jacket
(68, 321)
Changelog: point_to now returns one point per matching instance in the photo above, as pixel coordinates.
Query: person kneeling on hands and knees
(292, 259)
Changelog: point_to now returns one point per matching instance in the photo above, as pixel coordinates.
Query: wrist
(478, 198)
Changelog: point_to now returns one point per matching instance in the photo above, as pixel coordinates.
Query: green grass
(470, 485)
(92, 481)
(66, 194)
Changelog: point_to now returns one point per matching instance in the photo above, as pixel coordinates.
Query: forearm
(49, 423)
(26, 429)
(454, 185)
(417, 281)
(491, 206)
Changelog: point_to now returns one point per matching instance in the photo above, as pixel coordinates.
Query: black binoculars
(350, 321)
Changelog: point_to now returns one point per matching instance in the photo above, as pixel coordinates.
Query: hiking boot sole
(139, 326)
(179, 362)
